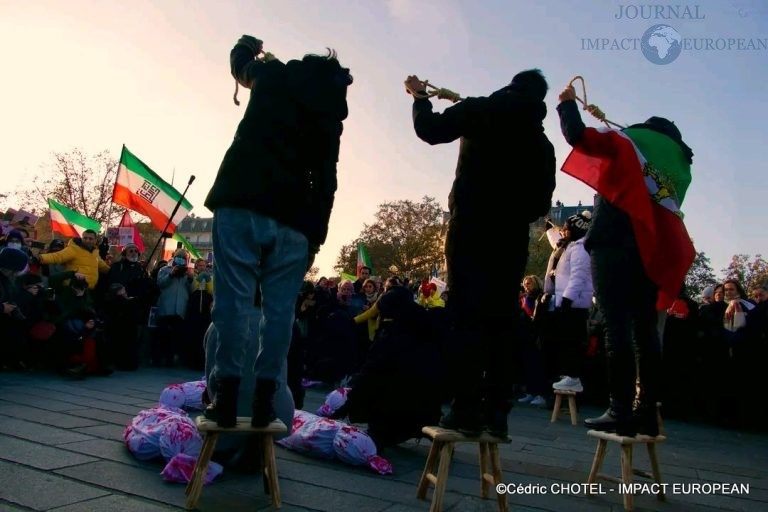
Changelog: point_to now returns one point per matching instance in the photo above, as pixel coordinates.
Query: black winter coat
(282, 161)
(504, 152)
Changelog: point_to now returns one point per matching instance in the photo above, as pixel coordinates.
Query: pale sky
(155, 77)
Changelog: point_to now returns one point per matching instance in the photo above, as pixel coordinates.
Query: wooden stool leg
(572, 410)
(195, 486)
(270, 470)
(497, 475)
(597, 462)
(446, 454)
(626, 474)
(556, 409)
(655, 469)
(484, 456)
(429, 468)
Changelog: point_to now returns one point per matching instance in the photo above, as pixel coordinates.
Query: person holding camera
(176, 283)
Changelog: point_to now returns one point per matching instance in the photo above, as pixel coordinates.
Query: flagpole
(170, 219)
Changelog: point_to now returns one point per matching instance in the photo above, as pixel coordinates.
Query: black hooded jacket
(282, 161)
(504, 153)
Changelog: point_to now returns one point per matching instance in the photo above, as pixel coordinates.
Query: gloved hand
(566, 303)
(253, 44)
(203, 277)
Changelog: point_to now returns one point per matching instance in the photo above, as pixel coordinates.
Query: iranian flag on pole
(69, 222)
(363, 260)
(139, 189)
(645, 174)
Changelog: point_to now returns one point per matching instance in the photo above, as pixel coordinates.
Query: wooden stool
(440, 455)
(627, 471)
(559, 394)
(211, 433)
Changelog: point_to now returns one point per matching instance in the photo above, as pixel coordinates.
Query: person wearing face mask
(15, 240)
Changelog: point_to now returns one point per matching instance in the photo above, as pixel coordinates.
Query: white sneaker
(526, 399)
(568, 384)
(539, 401)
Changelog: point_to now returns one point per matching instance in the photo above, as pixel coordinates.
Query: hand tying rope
(592, 109)
(441, 92)
(266, 57)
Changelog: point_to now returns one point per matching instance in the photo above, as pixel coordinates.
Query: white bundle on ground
(188, 395)
(333, 401)
(327, 438)
(168, 432)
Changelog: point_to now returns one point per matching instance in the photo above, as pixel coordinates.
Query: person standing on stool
(503, 151)
(271, 204)
(639, 247)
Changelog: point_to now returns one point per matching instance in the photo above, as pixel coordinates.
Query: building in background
(198, 231)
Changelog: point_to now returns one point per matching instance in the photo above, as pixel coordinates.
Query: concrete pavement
(61, 449)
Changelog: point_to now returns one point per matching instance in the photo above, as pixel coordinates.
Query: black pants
(627, 299)
(571, 340)
(485, 322)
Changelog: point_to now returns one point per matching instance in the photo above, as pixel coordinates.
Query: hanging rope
(264, 58)
(592, 109)
(440, 92)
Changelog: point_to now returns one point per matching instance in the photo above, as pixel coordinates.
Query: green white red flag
(645, 174)
(138, 188)
(68, 222)
(363, 260)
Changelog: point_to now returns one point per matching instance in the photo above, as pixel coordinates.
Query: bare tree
(748, 273)
(77, 180)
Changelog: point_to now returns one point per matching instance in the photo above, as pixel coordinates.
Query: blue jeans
(254, 252)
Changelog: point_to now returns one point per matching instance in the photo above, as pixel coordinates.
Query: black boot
(463, 417)
(613, 421)
(645, 419)
(223, 409)
(263, 403)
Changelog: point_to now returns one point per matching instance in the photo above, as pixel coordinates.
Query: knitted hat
(13, 259)
(130, 246)
(578, 224)
(15, 233)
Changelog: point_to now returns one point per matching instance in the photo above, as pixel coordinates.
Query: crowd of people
(66, 309)
(590, 324)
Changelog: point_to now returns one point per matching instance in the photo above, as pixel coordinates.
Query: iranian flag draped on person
(645, 173)
(138, 188)
(639, 248)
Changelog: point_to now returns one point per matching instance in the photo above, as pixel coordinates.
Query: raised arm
(243, 63)
(430, 126)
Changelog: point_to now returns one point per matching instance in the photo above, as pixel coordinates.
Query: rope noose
(441, 92)
(592, 109)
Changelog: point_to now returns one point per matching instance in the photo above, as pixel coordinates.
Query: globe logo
(661, 44)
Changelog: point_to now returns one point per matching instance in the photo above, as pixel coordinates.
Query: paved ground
(61, 449)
